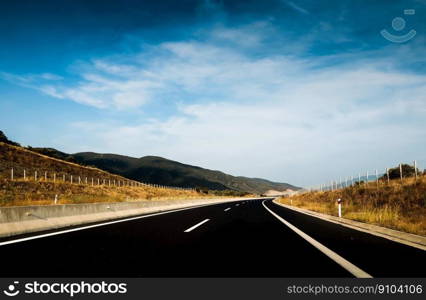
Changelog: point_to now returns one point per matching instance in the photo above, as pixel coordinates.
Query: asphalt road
(235, 239)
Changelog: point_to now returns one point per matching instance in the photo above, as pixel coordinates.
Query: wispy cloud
(29, 79)
(268, 115)
(297, 7)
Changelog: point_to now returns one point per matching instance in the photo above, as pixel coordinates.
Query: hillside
(396, 204)
(162, 171)
(156, 170)
(30, 178)
(4, 139)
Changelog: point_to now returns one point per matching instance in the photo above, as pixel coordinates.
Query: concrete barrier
(26, 219)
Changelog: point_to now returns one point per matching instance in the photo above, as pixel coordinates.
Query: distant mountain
(158, 170)
(163, 171)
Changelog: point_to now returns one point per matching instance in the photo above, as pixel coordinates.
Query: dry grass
(21, 159)
(394, 205)
(17, 193)
(42, 192)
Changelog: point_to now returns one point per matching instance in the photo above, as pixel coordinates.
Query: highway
(235, 239)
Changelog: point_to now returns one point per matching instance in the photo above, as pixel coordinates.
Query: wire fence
(16, 173)
(374, 177)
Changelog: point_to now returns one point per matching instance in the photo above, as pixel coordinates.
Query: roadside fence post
(25, 175)
(400, 172)
(366, 179)
(377, 179)
(387, 174)
(35, 176)
(415, 169)
(339, 207)
(11, 174)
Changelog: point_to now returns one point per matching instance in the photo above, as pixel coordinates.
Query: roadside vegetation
(20, 192)
(38, 179)
(394, 203)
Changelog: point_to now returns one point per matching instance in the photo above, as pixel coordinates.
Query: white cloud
(281, 117)
(297, 7)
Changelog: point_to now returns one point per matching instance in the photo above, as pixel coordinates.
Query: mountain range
(158, 170)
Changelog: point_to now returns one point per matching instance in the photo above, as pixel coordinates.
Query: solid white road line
(196, 225)
(227, 209)
(101, 224)
(354, 270)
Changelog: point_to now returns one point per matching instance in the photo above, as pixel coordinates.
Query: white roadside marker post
(11, 174)
(339, 207)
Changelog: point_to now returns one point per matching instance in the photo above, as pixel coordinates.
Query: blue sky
(297, 91)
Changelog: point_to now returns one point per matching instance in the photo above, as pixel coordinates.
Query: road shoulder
(390, 234)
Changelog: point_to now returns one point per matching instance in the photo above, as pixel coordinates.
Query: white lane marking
(99, 225)
(227, 209)
(236, 204)
(196, 225)
(354, 270)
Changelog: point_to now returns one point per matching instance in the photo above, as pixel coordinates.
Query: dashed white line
(196, 225)
(101, 224)
(236, 204)
(354, 270)
(227, 209)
